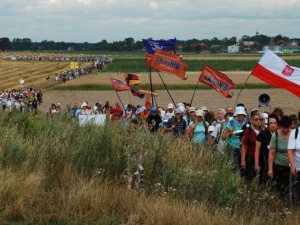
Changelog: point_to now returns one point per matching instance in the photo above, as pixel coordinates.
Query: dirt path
(210, 98)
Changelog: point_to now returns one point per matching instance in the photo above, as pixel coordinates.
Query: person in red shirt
(144, 115)
(116, 113)
(248, 145)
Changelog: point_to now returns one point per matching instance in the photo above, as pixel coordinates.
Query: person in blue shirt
(231, 134)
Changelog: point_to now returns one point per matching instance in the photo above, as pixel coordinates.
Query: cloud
(86, 2)
(114, 20)
(153, 5)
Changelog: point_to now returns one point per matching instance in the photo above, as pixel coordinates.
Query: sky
(114, 20)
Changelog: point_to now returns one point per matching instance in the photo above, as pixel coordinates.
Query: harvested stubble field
(35, 73)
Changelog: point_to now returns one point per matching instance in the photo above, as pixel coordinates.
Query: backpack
(296, 132)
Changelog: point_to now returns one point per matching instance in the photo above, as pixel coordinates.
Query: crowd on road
(260, 145)
(23, 101)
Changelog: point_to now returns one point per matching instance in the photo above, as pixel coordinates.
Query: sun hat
(139, 110)
(199, 112)
(192, 109)
(240, 110)
(204, 108)
(177, 110)
(154, 111)
(170, 106)
(211, 128)
(182, 109)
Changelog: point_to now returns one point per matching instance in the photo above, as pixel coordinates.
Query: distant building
(233, 49)
(248, 43)
(290, 49)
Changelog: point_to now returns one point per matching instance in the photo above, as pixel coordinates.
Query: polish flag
(276, 72)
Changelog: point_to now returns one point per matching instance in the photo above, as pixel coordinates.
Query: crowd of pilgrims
(262, 145)
(25, 100)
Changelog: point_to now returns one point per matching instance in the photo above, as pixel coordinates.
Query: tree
(4, 43)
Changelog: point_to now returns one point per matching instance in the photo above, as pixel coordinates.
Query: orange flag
(167, 62)
(217, 80)
(119, 85)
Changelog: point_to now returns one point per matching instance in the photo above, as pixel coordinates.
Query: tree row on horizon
(129, 44)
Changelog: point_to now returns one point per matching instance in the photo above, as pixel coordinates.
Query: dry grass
(95, 201)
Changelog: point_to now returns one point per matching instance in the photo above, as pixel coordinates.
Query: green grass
(128, 64)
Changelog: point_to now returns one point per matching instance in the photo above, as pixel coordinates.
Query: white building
(233, 49)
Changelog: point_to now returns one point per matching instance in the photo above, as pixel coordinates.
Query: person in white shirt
(169, 113)
(294, 161)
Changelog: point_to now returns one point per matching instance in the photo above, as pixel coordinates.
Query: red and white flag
(276, 72)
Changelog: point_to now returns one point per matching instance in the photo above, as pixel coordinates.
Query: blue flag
(152, 45)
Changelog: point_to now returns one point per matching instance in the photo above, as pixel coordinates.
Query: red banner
(167, 62)
(217, 80)
(119, 85)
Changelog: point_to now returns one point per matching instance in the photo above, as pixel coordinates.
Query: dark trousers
(249, 172)
(282, 179)
(263, 174)
(295, 189)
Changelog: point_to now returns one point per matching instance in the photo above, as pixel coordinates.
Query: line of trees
(129, 44)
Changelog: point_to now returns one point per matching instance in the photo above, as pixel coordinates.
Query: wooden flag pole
(166, 88)
(241, 90)
(120, 100)
(194, 92)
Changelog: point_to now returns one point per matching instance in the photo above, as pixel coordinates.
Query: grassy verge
(55, 172)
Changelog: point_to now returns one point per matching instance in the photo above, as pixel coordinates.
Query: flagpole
(194, 92)
(242, 89)
(166, 88)
(120, 99)
(151, 87)
(129, 97)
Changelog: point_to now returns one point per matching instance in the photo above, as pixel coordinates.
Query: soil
(209, 98)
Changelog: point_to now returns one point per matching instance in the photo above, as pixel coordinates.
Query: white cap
(199, 112)
(204, 108)
(83, 104)
(211, 128)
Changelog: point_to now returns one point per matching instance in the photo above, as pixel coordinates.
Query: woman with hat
(198, 129)
(231, 134)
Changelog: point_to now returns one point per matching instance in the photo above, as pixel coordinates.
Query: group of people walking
(262, 145)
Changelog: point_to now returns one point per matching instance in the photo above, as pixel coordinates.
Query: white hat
(240, 110)
(211, 128)
(170, 106)
(199, 112)
(204, 108)
(83, 104)
(180, 104)
(182, 109)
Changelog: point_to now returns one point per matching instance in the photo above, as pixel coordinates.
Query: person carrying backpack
(231, 134)
(248, 145)
(279, 168)
(294, 161)
(198, 130)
